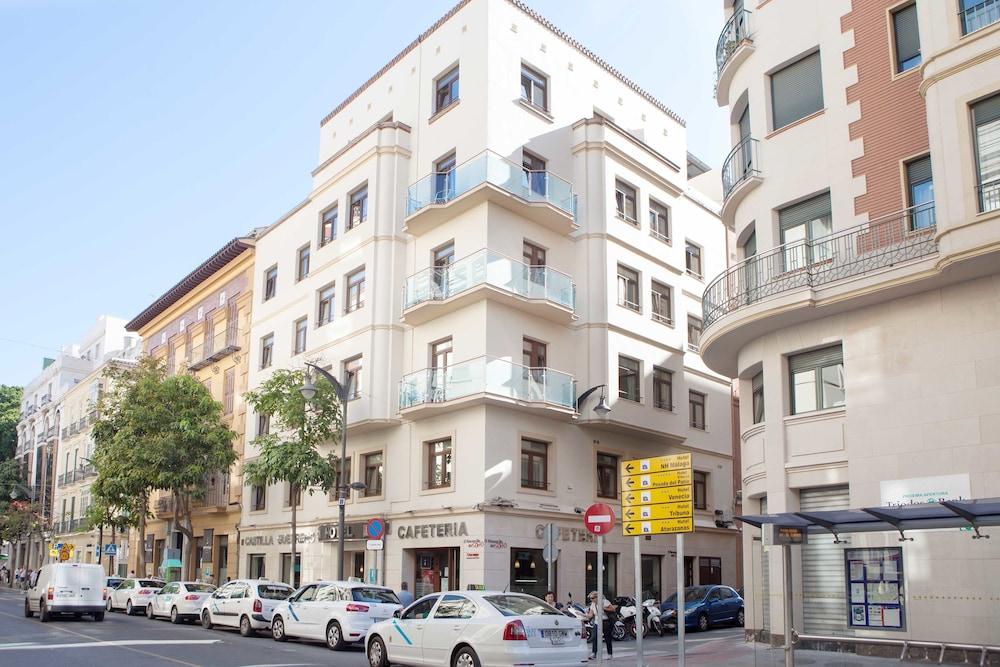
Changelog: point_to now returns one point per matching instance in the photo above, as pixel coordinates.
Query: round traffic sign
(375, 528)
(599, 519)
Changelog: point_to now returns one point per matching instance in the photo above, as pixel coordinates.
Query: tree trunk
(140, 560)
(295, 504)
(111, 558)
(100, 545)
(182, 514)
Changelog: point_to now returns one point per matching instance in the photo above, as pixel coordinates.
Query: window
(659, 221)
(986, 118)
(438, 463)
(446, 90)
(270, 283)
(292, 491)
(327, 297)
(258, 498)
(359, 207)
(444, 179)
(335, 489)
(534, 88)
(287, 574)
(697, 402)
(528, 574)
(610, 573)
(651, 566)
(628, 288)
(534, 464)
(301, 328)
(694, 332)
(757, 389)
(906, 37)
(977, 14)
(817, 379)
(328, 226)
(263, 424)
(355, 290)
(692, 259)
(750, 245)
(373, 474)
(228, 390)
(920, 193)
(796, 91)
(625, 202)
(628, 379)
(661, 301)
(709, 570)
(663, 388)
(352, 377)
(256, 567)
(266, 350)
(455, 606)
(535, 176)
(803, 226)
(302, 263)
(607, 475)
(699, 489)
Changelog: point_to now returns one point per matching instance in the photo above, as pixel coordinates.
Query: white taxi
(477, 629)
(246, 604)
(180, 600)
(133, 595)
(338, 612)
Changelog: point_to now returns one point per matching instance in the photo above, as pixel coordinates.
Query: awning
(972, 514)
(171, 563)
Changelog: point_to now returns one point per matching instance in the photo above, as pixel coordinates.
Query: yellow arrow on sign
(656, 480)
(670, 494)
(657, 527)
(661, 511)
(656, 464)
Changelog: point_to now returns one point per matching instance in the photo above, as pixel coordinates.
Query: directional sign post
(599, 519)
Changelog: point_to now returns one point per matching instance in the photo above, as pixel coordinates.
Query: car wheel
(149, 611)
(246, 630)
(376, 653)
(334, 636)
(740, 617)
(43, 612)
(174, 617)
(703, 622)
(278, 629)
(129, 611)
(99, 616)
(465, 657)
(108, 606)
(27, 610)
(206, 620)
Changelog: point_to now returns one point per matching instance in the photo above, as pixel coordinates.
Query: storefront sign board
(658, 526)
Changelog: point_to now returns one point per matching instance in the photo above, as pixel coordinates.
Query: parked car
(470, 628)
(246, 604)
(704, 606)
(338, 612)
(133, 595)
(66, 588)
(180, 600)
(111, 583)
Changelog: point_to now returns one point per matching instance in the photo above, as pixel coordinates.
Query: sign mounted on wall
(919, 490)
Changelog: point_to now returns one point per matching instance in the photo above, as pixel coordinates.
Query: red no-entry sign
(599, 519)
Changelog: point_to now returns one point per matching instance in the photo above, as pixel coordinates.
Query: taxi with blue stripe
(337, 612)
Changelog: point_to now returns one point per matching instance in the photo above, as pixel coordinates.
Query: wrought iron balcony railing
(988, 194)
(488, 167)
(736, 30)
(979, 16)
(486, 267)
(874, 245)
(214, 348)
(487, 375)
(741, 164)
(216, 495)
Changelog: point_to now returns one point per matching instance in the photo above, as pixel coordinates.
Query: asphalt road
(135, 640)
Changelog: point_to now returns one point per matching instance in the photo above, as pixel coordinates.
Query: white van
(67, 588)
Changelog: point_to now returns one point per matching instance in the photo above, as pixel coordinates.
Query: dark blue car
(704, 606)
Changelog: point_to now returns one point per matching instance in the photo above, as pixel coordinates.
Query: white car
(477, 628)
(338, 612)
(133, 595)
(246, 604)
(180, 600)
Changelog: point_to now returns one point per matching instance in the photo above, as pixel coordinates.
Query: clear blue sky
(137, 137)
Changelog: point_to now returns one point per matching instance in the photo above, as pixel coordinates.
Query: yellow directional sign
(656, 480)
(656, 464)
(661, 511)
(658, 526)
(670, 494)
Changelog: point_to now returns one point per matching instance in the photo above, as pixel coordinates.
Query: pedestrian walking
(605, 621)
(405, 596)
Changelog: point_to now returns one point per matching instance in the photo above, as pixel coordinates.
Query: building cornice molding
(929, 81)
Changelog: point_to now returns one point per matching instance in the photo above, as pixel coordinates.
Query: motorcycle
(577, 611)
(624, 624)
(651, 612)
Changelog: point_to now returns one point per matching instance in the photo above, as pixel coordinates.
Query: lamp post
(343, 394)
(602, 408)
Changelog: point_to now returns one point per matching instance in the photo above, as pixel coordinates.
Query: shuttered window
(986, 117)
(800, 225)
(906, 38)
(817, 379)
(920, 193)
(796, 91)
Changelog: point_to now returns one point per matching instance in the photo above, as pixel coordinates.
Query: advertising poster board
(875, 588)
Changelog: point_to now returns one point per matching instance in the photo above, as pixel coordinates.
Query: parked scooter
(651, 612)
(624, 625)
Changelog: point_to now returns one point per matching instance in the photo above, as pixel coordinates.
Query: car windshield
(521, 605)
(374, 595)
(199, 588)
(691, 595)
(150, 583)
(273, 592)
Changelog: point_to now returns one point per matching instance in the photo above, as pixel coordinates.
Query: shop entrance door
(436, 570)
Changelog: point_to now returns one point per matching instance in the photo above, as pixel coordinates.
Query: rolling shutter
(796, 90)
(804, 212)
(824, 604)
(918, 171)
(765, 577)
(826, 356)
(907, 35)
(987, 111)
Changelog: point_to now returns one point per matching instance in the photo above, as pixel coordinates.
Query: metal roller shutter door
(823, 584)
(765, 577)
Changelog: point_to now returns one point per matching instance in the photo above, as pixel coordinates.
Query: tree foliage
(10, 412)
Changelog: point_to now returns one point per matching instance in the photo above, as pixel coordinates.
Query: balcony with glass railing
(437, 290)
(213, 349)
(977, 15)
(732, 48)
(538, 195)
(488, 377)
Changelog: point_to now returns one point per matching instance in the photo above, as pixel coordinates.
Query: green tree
(10, 412)
(290, 452)
(111, 508)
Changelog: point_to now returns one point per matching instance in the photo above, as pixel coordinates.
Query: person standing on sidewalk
(605, 621)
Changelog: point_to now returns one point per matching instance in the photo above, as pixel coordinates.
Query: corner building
(499, 221)
(862, 316)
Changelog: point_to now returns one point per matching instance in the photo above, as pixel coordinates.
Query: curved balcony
(538, 195)
(732, 48)
(740, 174)
(540, 289)
(435, 390)
(818, 264)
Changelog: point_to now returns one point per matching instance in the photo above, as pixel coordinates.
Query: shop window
(610, 573)
(287, 576)
(359, 565)
(528, 572)
(651, 583)
(709, 570)
(255, 566)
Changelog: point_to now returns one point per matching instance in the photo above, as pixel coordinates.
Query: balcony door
(534, 174)
(442, 259)
(441, 358)
(444, 179)
(746, 154)
(920, 193)
(534, 359)
(534, 258)
(804, 228)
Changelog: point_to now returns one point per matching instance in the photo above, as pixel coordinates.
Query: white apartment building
(499, 221)
(863, 316)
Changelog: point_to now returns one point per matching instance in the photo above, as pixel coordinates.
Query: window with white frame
(628, 288)
(659, 221)
(359, 207)
(817, 379)
(662, 303)
(328, 225)
(534, 88)
(625, 202)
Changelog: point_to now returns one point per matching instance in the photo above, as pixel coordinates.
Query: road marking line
(107, 643)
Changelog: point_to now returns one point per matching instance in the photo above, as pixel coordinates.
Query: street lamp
(308, 391)
(602, 408)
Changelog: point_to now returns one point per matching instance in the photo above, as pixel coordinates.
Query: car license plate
(556, 636)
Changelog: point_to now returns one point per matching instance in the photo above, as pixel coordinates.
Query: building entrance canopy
(972, 514)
